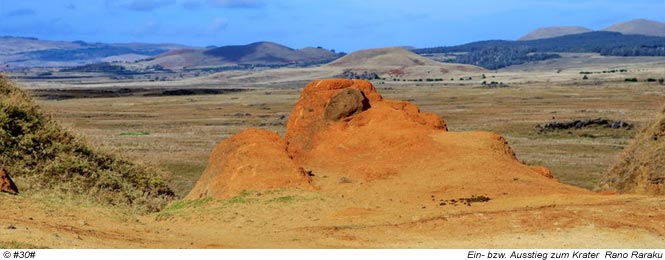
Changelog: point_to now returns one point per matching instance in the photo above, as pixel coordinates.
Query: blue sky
(344, 25)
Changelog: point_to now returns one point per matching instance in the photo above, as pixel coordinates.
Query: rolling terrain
(380, 148)
(640, 27)
(636, 27)
(260, 54)
(552, 32)
(496, 54)
(386, 63)
(23, 52)
(633, 38)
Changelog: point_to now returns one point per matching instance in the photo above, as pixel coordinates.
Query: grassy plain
(178, 132)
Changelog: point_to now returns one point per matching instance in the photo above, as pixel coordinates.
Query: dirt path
(323, 221)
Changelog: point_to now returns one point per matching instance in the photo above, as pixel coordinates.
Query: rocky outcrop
(344, 130)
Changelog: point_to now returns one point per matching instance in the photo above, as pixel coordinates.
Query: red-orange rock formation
(344, 129)
(307, 126)
(6, 183)
(253, 159)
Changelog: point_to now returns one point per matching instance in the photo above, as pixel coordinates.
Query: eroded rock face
(367, 144)
(308, 117)
(6, 183)
(253, 159)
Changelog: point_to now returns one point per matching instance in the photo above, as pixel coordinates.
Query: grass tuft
(134, 133)
(284, 199)
(183, 204)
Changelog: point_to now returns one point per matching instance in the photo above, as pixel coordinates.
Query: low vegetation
(42, 157)
(586, 123)
(641, 167)
(134, 133)
(497, 54)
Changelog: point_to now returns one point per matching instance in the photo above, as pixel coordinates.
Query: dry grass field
(178, 132)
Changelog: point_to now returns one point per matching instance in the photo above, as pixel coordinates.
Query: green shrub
(34, 148)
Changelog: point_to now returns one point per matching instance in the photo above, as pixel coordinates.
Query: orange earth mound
(6, 183)
(253, 159)
(337, 133)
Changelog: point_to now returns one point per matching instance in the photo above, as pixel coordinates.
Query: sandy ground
(315, 220)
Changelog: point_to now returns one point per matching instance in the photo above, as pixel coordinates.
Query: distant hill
(267, 54)
(382, 63)
(551, 32)
(18, 52)
(500, 53)
(394, 56)
(639, 26)
(397, 62)
(12, 45)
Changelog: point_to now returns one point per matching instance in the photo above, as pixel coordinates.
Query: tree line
(495, 54)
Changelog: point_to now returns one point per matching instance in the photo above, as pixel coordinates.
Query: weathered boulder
(347, 102)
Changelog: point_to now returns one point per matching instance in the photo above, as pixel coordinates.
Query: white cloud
(218, 24)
